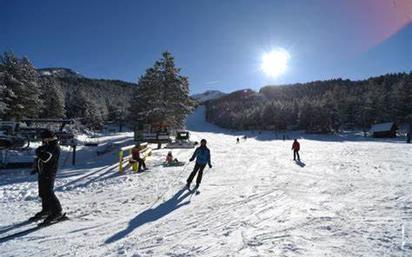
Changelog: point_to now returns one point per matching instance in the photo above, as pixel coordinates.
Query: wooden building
(382, 130)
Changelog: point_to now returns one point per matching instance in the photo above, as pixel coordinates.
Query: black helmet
(203, 141)
(47, 134)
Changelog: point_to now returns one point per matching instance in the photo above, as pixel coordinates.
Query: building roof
(381, 127)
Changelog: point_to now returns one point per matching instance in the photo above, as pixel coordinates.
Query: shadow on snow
(300, 163)
(151, 214)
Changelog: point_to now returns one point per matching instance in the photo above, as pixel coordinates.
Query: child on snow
(170, 159)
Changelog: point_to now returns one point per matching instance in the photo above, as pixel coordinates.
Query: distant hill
(106, 98)
(317, 107)
(59, 72)
(208, 95)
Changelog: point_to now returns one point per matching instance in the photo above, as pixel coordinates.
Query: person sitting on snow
(136, 158)
(169, 158)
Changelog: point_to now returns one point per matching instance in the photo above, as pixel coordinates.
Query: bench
(145, 152)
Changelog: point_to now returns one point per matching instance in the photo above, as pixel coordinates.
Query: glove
(191, 159)
(210, 166)
(39, 150)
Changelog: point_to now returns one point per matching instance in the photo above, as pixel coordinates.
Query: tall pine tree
(162, 95)
(22, 87)
(53, 100)
(84, 109)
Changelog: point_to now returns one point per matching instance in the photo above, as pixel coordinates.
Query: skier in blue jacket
(202, 155)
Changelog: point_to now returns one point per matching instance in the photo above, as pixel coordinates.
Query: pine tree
(402, 97)
(23, 90)
(84, 109)
(53, 100)
(146, 104)
(3, 99)
(162, 95)
(176, 87)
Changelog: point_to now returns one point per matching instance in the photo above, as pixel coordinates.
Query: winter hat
(47, 134)
(203, 141)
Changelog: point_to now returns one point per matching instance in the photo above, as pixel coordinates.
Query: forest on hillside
(317, 107)
(25, 93)
(161, 95)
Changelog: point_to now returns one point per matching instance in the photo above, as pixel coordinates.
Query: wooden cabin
(384, 130)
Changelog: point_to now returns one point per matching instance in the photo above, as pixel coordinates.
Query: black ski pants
(296, 153)
(198, 168)
(142, 164)
(49, 201)
(140, 161)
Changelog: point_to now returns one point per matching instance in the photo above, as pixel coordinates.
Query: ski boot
(40, 215)
(53, 218)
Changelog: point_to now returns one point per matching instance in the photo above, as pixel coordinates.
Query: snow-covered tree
(162, 95)
(22, 88)
(3, 96)
(84, 109)
(53, 100)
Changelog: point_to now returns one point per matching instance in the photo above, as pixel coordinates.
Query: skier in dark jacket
(296, 148)
(47, 163)
(136, 158)
(202, 155)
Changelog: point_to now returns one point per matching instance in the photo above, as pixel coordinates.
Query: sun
(275, 63)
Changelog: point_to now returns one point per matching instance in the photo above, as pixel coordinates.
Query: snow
(208, 95)
(59, 72)
(46, 73)
(351, 198)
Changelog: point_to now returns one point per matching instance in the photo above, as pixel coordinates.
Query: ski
(194, 191)
(15, 226)
(63, 217)
(32, 229)
(19, 234)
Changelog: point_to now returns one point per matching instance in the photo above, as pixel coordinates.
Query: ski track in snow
(353, 198)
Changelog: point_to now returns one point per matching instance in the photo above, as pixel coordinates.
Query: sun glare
(275, 62)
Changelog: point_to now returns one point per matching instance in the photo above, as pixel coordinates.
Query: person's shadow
(150, 215)
(301, 164)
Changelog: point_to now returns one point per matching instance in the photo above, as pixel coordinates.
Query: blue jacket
(202, 155)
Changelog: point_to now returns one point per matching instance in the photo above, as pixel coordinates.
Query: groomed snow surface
(351, 197)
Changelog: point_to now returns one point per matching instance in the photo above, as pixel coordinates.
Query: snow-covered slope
(208, 95)
(352, 198)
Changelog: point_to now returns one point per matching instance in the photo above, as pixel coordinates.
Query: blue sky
(218, 44)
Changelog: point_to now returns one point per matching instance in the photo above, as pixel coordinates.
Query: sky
(218, 44)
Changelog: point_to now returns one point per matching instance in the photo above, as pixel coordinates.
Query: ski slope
(351, 197)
